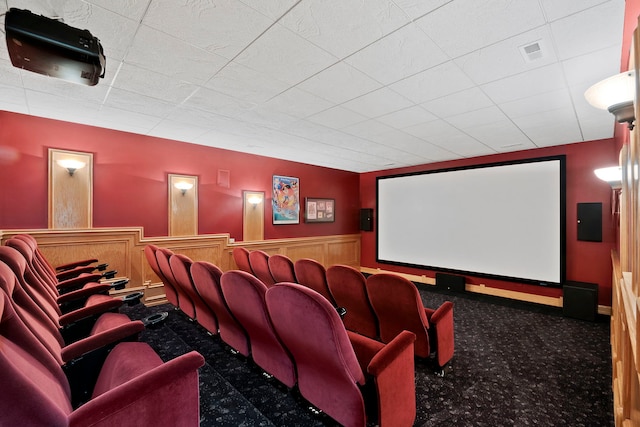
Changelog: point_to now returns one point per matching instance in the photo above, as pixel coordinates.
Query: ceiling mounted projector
(47, 46)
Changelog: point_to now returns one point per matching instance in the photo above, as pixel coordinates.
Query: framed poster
(319, 210)
(286, 200)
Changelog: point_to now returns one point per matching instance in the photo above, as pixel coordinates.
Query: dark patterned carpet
(514, 365)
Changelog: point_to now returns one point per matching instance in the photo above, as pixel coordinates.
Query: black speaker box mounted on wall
(366, 219)
(590, 222)
(450, 282)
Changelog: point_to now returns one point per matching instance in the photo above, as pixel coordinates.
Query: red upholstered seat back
(35, 390)
(169, 290)
(348, 288)
(163, 255)
(181, 267)
(398, 306)
(39, 258)
(28, 252)
(282, 269)
(241, 258)
(259, 261)
(206, 278)
(328, 370)
(312, 274)
(245, 295)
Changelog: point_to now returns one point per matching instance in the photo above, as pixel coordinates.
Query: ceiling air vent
(532, 51)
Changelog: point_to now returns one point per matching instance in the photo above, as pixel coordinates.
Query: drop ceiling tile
(177, 131)
(410, 116)
(9, 75)
(13, 98)
(152, 84)
(159, 52)
(62, 88)
(377, 103)
(447, 137)
(131, 9)
(284, 55)
(479, 23)
(125, 100)
(457, 103)
(592, 29)
(527, 84)
(370, 129)
(403, 53)
(339, 83)
(477, 118)
(563, 129)
(554, 9)
(592, 67)
(241, 82)
(538, 103)
(433, 83)
(274, 9)
(502, 136)
(598, 125)
(297, 103)
(268, 117)
(417, 8)
(343, 26)
(337, 117)
(416, 146)
(224, 27)
(505, 58)
(215, 102)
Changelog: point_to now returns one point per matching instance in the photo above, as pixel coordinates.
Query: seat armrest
(364, 348)
(441, 313)
(77, 299)
(165, 395)
(72, 265)
(126, 332)
(441, 333)
(393, 372)
(75, 272)
(78, 323)
(77, 282)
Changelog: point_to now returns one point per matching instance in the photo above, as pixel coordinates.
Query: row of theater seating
(297, 336)
(379, 307)
(69, 357)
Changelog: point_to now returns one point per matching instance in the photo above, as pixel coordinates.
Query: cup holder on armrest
(155, 320)
(109, 274)
(133, 298)
(119, 284)
(102, 267)
(342, 311)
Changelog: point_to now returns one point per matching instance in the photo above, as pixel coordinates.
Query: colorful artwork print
(286, 200)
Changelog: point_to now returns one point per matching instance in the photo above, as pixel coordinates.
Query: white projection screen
(503, 220)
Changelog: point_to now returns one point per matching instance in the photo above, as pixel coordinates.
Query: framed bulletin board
(319, 210)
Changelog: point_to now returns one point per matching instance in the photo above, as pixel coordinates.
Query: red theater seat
(245, 294)
(313, 275)
(203, 314)
(169, 290)
(259, 261)
(398, 306)
(206, 278)
(241, 258)
(348, 288)
(134, 386)
(330, 374)
(185, 304)
(282, 268)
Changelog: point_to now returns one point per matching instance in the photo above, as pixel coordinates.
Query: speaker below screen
(450, 282)
(366, 219)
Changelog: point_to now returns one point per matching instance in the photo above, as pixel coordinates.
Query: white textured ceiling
(348, 84)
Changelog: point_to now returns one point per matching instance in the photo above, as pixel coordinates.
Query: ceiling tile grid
(346, 84)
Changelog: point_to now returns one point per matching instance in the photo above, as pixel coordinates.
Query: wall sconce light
(71, 165)
(615, 94)
(254, 200)
(183, 186)
(612, 175)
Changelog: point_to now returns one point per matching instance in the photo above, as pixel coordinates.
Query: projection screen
(504, 220)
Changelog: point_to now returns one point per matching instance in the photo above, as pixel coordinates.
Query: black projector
(47, 46)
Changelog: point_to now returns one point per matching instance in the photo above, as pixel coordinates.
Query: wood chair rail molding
(123, 249)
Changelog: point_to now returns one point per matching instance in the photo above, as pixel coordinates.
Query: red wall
(586, 261)
(130, 180)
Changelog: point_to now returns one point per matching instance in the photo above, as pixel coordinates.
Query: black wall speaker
(450, 282)
(590, 222)
(580, 300)
(366, 219)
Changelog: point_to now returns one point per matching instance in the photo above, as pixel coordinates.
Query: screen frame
(562, 217)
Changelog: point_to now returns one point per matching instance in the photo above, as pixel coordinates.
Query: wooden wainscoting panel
(315, 251)
(344, 253)
(115, 253)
